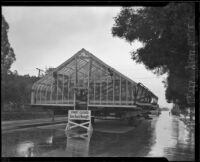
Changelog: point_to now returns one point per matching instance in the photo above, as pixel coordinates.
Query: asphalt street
(163, 136)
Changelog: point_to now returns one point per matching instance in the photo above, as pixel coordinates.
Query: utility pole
(39, 70)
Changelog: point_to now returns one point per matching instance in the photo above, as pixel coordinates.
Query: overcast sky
(47, 36)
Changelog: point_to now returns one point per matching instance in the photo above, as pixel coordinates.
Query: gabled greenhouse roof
(67, 69)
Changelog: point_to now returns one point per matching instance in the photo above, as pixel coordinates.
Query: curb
(34, 125)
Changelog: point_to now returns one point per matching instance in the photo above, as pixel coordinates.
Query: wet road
(163, 136)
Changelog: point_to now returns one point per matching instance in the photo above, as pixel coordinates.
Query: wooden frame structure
(106, 86)
(84, 118)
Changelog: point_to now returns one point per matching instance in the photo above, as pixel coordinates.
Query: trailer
(84, 82)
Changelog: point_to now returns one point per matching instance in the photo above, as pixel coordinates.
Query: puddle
(163, 136)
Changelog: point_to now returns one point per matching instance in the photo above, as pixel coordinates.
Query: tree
(48, 70)
(7, 53)
(7, 57)
(163, 32)
(18, 89)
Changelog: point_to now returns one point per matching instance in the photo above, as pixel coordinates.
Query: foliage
(7, 56)
(163, 32)
(7, 53)
(49, 70)
(18, 89)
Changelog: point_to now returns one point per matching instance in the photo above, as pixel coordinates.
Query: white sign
(79, 114)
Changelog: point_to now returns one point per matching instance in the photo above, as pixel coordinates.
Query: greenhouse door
(81, 98)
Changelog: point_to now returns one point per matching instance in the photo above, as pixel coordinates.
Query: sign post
(74, 116)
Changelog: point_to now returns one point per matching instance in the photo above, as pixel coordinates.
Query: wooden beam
(46, 94)
(107, 90)
(120, 92)
(68, 89)
(144, 97)
(133, 107)
(89, 76)
(37, 100)
(136, 89)
(100, 84)
(57, 105)
(132, 96)
(75, 81)
(32, 96)
(51, 92)
(142, 91)
(57, 89)
(113, 88)
(40, 95)
(126, 92)
(63, 88)
(94, 89)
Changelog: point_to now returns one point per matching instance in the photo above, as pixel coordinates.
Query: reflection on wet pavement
(173, 140)
(164, 136)
(25, 149)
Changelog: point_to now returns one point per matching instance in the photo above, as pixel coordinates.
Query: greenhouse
(102, 85)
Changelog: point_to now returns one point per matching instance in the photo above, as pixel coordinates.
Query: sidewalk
(8, 125)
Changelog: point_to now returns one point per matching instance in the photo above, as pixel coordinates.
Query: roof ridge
(95, 58)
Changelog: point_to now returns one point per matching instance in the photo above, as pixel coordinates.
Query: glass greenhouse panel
(104, 84)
